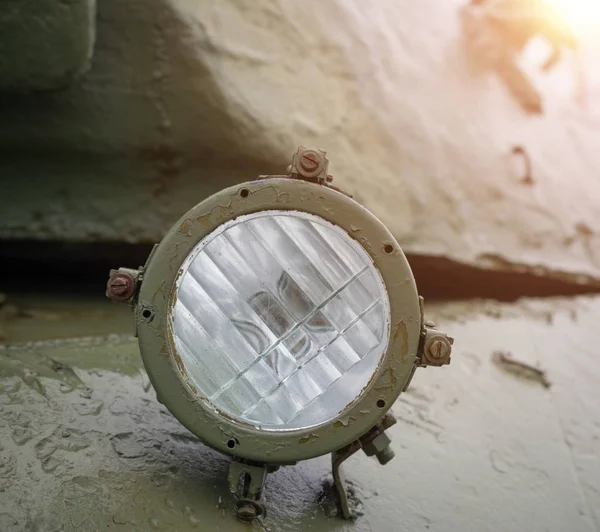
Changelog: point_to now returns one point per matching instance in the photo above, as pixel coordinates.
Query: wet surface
(84, 445)
(28, 317)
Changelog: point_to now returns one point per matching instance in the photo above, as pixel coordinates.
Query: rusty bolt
(248, 510)
(378, 446)
(439, 348)
(120, 286)
(309, 162)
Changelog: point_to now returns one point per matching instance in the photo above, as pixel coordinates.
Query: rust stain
(401, 330)
(173, 300)
(366, 244)
(186, 227)
(179, 362)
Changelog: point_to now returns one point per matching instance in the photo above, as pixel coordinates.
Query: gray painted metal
(157, 297)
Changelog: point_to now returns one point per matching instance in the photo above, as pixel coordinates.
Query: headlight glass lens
(280, 319)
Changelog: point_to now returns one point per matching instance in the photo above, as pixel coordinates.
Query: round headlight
(279, 320)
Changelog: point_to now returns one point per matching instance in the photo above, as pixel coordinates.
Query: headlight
(279, 320)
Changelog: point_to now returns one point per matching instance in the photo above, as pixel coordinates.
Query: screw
(120, 286)
(309, 162)
(439, 348)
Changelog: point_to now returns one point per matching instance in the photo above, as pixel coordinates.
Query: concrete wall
(45, 45)
(185, 97)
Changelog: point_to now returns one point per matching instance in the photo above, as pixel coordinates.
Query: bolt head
(246, 512)
(249, 510)
(439, 349)
(120, 286)
(309, 162)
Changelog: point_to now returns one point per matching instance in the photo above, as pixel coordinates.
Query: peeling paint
(186, 227)
(216, 215)
(308, 439)
(280, 197)
(178, 362)
(176, 252)
(160, 290)
(387, 381)
(401, 330)
(344, 422)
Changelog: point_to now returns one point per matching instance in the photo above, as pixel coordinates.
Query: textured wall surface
(45, 45)
(185, 97)
(85, 446)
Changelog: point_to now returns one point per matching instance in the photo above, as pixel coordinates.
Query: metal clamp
(247, 482)
(437, 347)
(374, 443)
(337, 458)
(310, 165)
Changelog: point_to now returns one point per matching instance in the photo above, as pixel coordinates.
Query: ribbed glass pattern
(281, 319)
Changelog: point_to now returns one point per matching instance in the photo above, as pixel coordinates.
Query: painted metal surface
(157, 299)
(85, 446)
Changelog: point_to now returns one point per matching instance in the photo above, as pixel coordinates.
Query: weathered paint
(482, 451)
(173, 383)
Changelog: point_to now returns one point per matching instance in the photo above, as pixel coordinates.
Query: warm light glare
(581, 14)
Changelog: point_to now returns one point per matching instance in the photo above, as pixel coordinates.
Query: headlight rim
(157, 296)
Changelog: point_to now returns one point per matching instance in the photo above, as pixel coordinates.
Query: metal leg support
(247, 482)
(337, 458)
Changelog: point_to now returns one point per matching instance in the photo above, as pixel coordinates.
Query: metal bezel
(157, 295)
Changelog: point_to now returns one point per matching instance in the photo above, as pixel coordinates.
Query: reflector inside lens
(280, 320)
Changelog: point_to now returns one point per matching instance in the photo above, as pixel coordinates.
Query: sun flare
(581, 14)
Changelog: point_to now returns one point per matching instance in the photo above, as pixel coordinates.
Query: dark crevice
(440, 278)
(82, 268)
